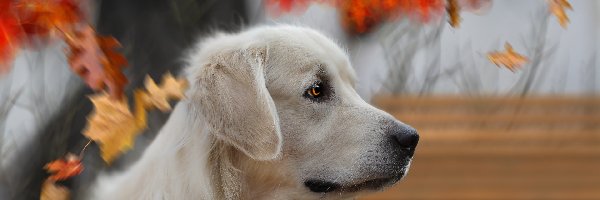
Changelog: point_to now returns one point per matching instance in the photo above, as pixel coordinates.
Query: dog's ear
(234, 99)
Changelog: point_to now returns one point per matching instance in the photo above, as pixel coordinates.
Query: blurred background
(486, 132)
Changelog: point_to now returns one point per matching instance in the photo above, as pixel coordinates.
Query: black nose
(321, 186)
(404, 136)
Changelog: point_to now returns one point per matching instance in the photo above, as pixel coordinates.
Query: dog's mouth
(320, 186)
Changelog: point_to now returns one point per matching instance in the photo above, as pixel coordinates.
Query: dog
(271, 113)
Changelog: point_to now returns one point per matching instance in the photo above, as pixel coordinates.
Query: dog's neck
(186, 161)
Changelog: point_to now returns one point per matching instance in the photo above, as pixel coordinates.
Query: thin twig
(84, 148)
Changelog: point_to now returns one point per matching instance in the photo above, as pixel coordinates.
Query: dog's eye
(315, 91)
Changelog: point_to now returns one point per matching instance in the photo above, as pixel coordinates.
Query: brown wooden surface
(500, 148)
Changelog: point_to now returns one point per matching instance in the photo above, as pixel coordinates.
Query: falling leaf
(114, 126)
(11, 36)
(48, 17)
(159, 96)
(62, 169)
(276, 7)
(93, 58)
(510, 59)
(475, 6)
(453, 10)
(557, 7)
(52, 191)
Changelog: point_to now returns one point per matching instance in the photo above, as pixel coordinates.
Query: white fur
(245, 131)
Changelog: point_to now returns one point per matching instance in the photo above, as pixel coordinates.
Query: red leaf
(47, 17)
(62, 169)
(11, 36)
(276, 7)
(94, 59)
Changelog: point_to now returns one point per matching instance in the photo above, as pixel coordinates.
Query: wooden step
(460, 101)
(508, 137)
(500, 148)
(483, 118)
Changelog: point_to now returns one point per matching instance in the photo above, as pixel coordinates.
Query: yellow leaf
(557, 7)
(509, 59)
(51, 191)
(112, 126)
(159, 96)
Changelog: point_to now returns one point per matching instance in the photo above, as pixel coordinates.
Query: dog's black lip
(372, 184)
(321, 186)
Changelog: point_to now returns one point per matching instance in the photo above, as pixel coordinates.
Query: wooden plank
(493, 109)
(443, 101)
(483, 193)
(500, 148)
(509, 137)
(444, 118)
(484, 150)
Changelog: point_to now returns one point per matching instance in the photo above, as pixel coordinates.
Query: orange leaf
(11, 36)
(111, 125)
(93, 58)
(46, 17)
(170, 88)
(52, 191)
(62, 169)
(453, 10)
(509, 59)
(557, 7)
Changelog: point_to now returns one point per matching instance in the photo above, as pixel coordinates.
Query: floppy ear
(234, 99)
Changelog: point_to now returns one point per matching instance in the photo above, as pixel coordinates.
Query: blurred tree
(154, 35)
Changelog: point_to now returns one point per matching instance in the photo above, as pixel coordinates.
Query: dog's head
(284, 98)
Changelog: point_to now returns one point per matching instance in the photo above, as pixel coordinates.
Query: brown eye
(315, 91)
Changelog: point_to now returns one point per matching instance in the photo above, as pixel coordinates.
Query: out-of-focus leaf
(52, 191)
(170, 88)
(557, 8)
(509, 58)
(112, 126)
(112, 123)
(453, 10)
(48, 17)
(11, 36)
(62, 169)
(94, 59)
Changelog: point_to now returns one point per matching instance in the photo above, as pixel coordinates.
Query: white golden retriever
(271, 113)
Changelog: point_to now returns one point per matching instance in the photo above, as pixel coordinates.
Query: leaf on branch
(62, 169)
(509, 58)
(48, 17)
(557, 7)
(94, 59)
(52, 191)
(112, 126)
(112, 123)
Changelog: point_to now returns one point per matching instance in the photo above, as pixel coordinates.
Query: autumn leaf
(11, 36)
(114, 126)
(159, 96)
(93, 58)
(276, 7)
(509, 58)
(557, 8)
(52, 191)
(48, 17)
(453, 10)
(62, 169)
(475, 6)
